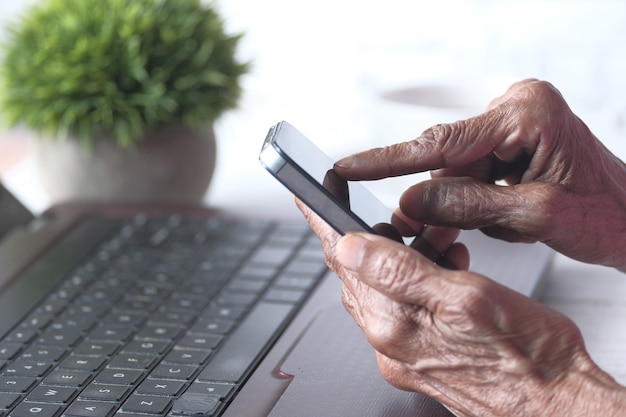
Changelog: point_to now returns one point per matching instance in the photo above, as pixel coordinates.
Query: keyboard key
(52, 307)
(187, 357)
(146, 404)
(205, 342)
(67, 378)
(119, 376)
(43, 394)
(89, 409)
(295, 282)
(160, 387)
(285, 295)
(85, 308)
(137, 304)
(258, 272)
(110, 334)
(8, 400)
(132, 361)
(225, 312)
(82, 363)
(153, 290)
(213, 389)
(76, 323)
(100, 392)
(124, 319)
(156, 332)
(43, 353)
(306, 267)
(271, 255)
(9, 350)
(16, 384)
(21, 335)
(60, 337)
(168, 317)
(146, 347)
(35, 410)
(228, 298)
(25, 367)
(247, 285)
(94, 348)
(212, 326)
(185, 302)
(175, 372)
(287, 236)
(38, 320)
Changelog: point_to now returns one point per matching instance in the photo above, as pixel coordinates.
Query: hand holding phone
(347, 206)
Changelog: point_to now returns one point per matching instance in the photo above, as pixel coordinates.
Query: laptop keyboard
(165, 317)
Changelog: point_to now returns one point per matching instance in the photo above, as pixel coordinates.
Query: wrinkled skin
(567, 190)
(472, 344)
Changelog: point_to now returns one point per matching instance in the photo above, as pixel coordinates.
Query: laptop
(154, 311)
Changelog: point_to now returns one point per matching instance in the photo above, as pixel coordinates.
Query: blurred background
(327, 65)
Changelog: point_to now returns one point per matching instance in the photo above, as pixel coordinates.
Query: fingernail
(349, 251)
(346, 162)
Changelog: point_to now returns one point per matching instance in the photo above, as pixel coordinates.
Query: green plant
(94, 68)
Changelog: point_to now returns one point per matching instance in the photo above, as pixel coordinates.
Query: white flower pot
(171, 165)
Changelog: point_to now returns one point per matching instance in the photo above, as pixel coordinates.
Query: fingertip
(344, 163)
(349, 250)
(355, 167)
(458, 255)
(406, 226)
(412, 203)
(389, 231)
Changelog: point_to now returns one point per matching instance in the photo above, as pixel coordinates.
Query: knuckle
(543, 211)
(394, 272)
(389, 330)
(393, 372)
(434, 141)
(351, 305)
(541, 93)
(471, 304)
(512, 91)
(544, 88)
(446, 136)
(459, 201)
(397, 374)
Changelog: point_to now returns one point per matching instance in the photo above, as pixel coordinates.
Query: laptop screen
(12, 212)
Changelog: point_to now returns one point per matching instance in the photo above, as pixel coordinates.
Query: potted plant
(123, 94)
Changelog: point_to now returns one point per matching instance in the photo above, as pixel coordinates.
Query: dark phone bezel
(305, 187)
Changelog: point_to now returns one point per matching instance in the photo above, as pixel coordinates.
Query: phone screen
(308, 172)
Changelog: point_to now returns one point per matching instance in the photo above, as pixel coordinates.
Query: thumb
(513, 213)
(392, 269)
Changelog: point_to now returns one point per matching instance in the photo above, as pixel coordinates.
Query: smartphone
(347, 206)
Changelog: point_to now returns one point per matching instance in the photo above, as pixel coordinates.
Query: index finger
(441, 146)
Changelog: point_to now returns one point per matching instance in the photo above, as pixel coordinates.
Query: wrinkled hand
(475, 346)
(567, 190)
